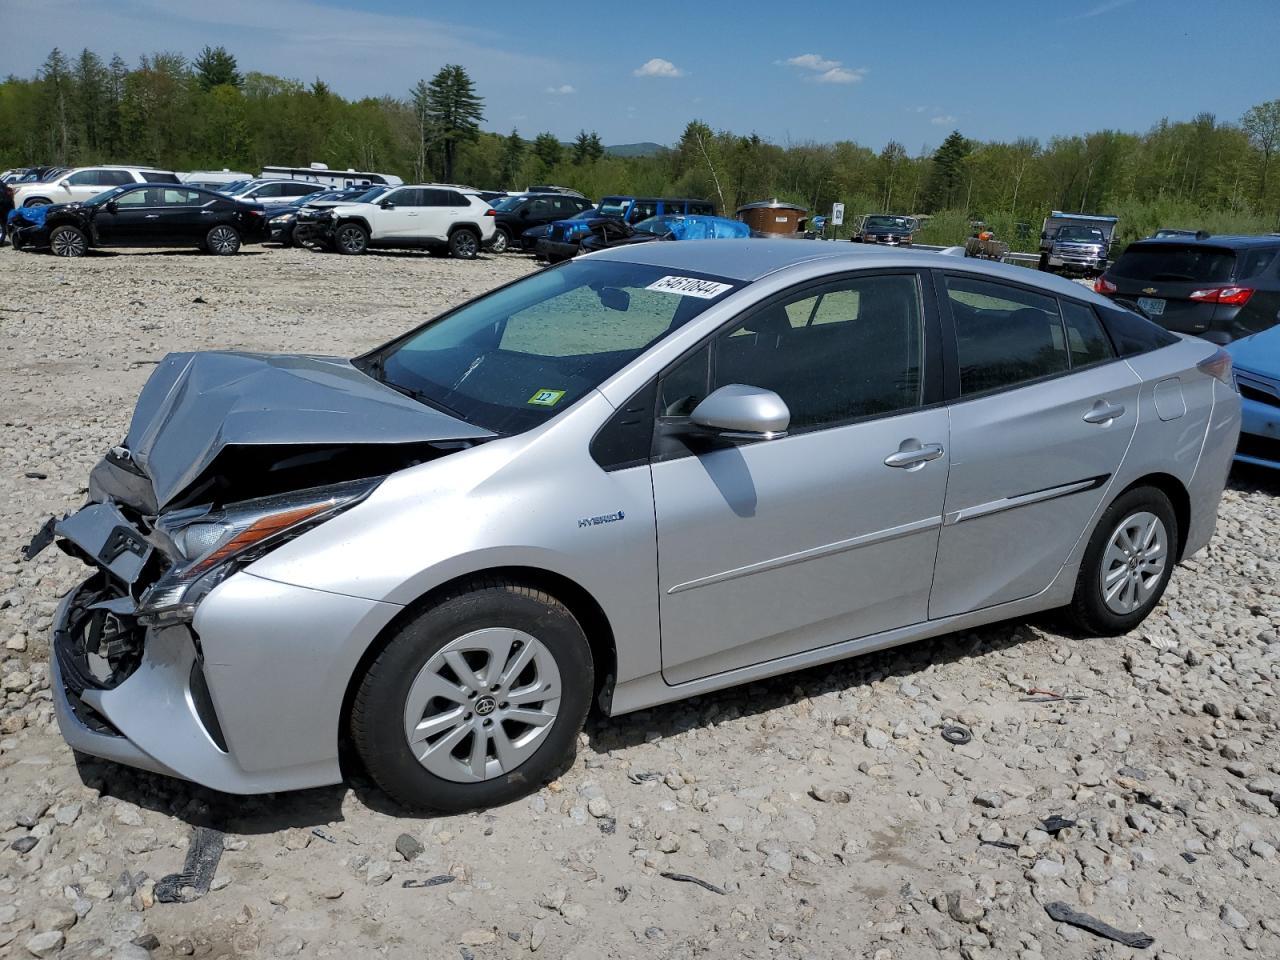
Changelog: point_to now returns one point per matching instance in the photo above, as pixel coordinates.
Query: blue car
(1257, 367)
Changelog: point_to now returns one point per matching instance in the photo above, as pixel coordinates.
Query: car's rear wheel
(476, 701)
(68, 241)
(1127, 564)
(222, 241)
(464, 244)
(351, 239)
(501, 241)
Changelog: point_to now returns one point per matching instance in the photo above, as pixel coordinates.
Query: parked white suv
(272, 191)
(82, 183)
(430, 216)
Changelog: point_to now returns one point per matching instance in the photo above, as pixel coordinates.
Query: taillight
(1218, 366)
(1103, 285)
(1232, 296)
(491, 212)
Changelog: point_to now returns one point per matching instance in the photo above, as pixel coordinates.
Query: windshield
(508, 203)
(1091, 234)
(370, 195)
(887, 223)
(235, 186)
(515, 358)
(1179, 263)
(614, 206)
(101, 198)
(658, 226)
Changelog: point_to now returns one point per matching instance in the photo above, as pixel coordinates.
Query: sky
(862, 70)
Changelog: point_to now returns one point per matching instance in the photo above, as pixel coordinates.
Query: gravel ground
(825, 808)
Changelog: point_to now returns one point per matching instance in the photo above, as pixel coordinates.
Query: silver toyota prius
(645, 474)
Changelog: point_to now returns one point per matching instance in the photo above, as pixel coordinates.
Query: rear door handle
(915, 457)
(152, 216)
(1104, 412)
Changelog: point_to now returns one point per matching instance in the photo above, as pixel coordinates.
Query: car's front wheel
(475, 701)
(351, 239)
(222, 241)
(1127, 564)
(68, 241)
(501, 241)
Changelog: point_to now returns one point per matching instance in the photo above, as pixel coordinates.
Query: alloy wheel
(482, 705)
(500, 242)
(351, 239)
(464, 244)
(1133, 562)
(68, 243)
(222, 240)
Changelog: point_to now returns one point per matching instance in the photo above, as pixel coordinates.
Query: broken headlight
(209, 545)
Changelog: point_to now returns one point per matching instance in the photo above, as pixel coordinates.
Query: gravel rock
(45, 944)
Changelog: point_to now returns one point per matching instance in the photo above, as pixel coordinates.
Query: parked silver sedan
(646, 474)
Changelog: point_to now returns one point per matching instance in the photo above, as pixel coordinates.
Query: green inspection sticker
(546, 398)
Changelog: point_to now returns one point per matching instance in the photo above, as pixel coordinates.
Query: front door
(403, 219)
(828, 534)
(1044, 418)
(134, 214)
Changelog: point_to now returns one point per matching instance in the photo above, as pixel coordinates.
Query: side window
(268, 190)
(86, 178)
(137, 198)
(643, 210)
(406, 197)
(540, 208)
(177, 197)
(684, 387)
(299, 189)
(1086, 341)
(1004, 335)
(116, 178)
(850, 349)
(1255, 262)
(702, 209)
(154, 176)
(454, 199)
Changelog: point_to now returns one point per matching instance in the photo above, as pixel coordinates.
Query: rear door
(1042, 416)
(185, 214)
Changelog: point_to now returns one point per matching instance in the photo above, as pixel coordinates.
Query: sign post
(837, 216)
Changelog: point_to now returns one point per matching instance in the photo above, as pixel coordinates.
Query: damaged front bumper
(245, 697)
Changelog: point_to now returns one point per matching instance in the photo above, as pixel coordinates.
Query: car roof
(1224, 240)
(760, 257)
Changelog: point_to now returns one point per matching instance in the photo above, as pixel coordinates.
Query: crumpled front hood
(196, 405)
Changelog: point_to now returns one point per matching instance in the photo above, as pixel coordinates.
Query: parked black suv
(517, 214)
(1218, 288)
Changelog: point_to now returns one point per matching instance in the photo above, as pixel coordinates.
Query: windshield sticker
(690, 287)
(546, 398)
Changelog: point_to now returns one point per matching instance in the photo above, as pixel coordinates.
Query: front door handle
(152, 216)
(915, 456)
(1104, 412)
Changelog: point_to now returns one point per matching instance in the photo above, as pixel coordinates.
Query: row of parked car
(69, 211)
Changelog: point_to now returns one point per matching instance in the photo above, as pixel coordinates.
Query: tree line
(203, 112)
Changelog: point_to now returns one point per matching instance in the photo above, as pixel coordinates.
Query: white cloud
(812, 61)
(942, 120)
(657, 67)
(1105, 7)
(561, 91)
(842, 75)
(823, 70)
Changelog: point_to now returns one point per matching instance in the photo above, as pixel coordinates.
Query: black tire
(350, 239)
(68, 241)
(1044, 263)
(464, 244)
(221, 241)
(37, 202)
(501, 241)
(1089, 610)
(377, 721)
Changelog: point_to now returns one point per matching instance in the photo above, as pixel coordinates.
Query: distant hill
(634, 149)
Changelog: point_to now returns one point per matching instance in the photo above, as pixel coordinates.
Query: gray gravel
(825, 805)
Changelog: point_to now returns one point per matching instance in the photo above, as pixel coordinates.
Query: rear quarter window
(1132, 334)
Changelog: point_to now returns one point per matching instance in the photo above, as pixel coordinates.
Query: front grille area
(1257, 390)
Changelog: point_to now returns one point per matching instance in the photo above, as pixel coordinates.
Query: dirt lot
(826, 808)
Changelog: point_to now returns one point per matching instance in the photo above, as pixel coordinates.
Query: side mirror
(387, 205)
(112, 206)
(738, 413)
(64, 185)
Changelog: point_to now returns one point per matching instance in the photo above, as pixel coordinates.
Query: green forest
(202, 112)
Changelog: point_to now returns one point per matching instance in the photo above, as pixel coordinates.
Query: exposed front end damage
(228, 456)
